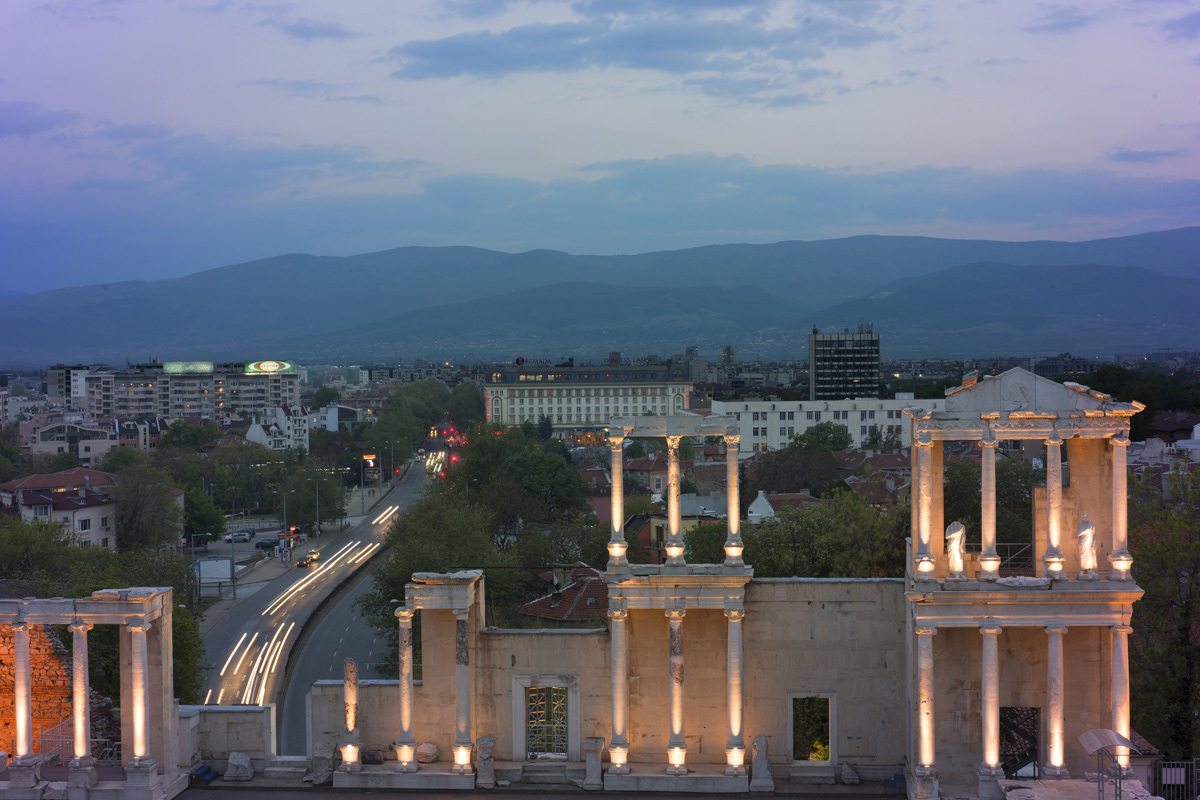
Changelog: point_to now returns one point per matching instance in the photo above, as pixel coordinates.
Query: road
(247, 647)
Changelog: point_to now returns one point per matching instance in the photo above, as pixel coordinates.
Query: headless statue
(956, 549)
(1085, 539)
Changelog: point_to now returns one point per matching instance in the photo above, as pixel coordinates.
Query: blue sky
(142, 139)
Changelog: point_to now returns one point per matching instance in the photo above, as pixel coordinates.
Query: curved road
(247, 647)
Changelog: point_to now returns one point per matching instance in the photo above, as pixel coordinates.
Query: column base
(617, 769)
(462, 769)
(1087, 575)
(735, 760)
(922, 783)
(25, 772)
(676, 769)
(406, 757)
(1055, 773)
(1053, 564)
(82, 773)
(989, 786)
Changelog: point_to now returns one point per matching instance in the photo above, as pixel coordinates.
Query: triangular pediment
(1019, 391)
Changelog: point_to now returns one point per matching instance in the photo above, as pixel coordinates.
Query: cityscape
(643, 397)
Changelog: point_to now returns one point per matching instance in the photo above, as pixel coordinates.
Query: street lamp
(317, 485)
(195, 575)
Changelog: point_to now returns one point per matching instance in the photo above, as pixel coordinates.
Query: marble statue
(1085, 538)
(956, 550)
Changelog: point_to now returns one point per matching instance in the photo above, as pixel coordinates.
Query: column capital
(989, 440)
(673, 442)
(79, 626)
(735, 613)
(1121, 629)
(731, 439)
(617, 614)
(1053, 439)
(616, 444)
(21, 626)
(138, 624)
(675, 614)
(1120, 440)
(922, 440)
(461, 614)
(1059, 629)
(405, 615)
(990, 629)
(925, 630)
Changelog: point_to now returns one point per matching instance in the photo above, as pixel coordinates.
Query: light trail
(232, 653)
(386, 515)
(366, 553)
(208, 697)
(304, 583)
(219, 696)
(248, 692)
(247, 650)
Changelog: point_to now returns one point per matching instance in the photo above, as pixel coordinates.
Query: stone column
(406, 745)
(676, 744)
(350, 747)
(1055, 687)
(22, 695)
(1120, 689)
(674, 523)
(735, 747)
(989, 562)
(81, 711)
(1054, 557)
(462, 695)
(990, 712)
(733, 513)
(1119, 557)
(618, 751)
(616, 540)
(923, 481)
(140, 670)
(926, 765)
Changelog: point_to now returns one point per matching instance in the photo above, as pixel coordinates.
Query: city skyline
(143, 140)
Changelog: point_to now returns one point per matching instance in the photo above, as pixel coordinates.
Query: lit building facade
(842, 365)
(579, 399)
(191, 389)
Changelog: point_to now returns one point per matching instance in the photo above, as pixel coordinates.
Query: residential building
(283, 428)
(88, 515)
(191, 389)
(335, 417)
(581, 399)
(89, 442)
(842, 365)
(770, 424)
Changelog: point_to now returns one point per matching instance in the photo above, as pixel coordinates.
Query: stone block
(239, 767)
(593, 747)
(428, 753)
(320, 769)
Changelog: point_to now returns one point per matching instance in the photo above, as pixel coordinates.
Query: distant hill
(6, 293)
(270, 307)
(1004, 308)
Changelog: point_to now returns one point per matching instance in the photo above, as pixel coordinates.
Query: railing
(1015, 558)
(1176, 780)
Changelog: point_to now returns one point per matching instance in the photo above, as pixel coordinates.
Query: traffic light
(397, 470)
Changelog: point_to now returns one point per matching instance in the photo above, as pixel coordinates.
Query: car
(267, 544)
(238, 536)
(250, 531)
(313, 555)
(304, 562)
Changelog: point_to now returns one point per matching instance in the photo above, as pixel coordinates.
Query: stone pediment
(1019, 392)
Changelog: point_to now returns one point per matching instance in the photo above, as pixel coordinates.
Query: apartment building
(581, 399)
(769, 424)
(842, 365)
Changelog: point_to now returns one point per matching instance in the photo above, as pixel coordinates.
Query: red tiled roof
(584, 598)
(67, 479)
(791, 500)
(65, 501)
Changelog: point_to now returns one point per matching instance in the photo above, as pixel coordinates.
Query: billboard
(187, 367)
(269, 367)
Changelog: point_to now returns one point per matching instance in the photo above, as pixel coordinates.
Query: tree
(467, 407)
(184, 435)
(325, 396)
(793, 469)
(636, 449)
(1015, 481)
(1164, 538)
(829, 436)
(545, 428)
(705, 543)
(147, 514)
(200, 516)
(550, 479)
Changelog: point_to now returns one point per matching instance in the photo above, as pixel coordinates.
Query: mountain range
(926, 297)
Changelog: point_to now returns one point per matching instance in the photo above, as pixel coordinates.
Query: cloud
(373, 99)
(673, 37)
(1143, 156)
(298, 88)
(26, 119)
(1187, 27)
(308, 30)
(134, 131)
(1062, 19)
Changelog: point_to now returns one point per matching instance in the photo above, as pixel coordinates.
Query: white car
(238, 536)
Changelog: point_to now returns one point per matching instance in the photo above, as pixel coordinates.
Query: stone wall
(844, 637)
(50, 668)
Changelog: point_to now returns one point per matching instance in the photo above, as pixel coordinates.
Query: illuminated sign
(187, 367)
(268, 367)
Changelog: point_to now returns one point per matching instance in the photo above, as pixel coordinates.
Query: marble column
(676, 743)
(674, 522)
(923, 481)
(462, 695)
(735, 747)
(1054, 557)
(81, 711)
(990, 712)
(351, 745)
(1120, 689)
(22, 694)
(140, 691)
(989, 562)
(1055, 687)
(616, 541)
(733, 512)
(926, 764)
(1119, 557)
(406, 745)
(618, 751)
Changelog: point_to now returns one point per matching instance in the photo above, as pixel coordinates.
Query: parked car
(250, 531)
(267, 544)
(238, 536)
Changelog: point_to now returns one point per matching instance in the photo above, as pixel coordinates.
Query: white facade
(770, 424)
(281, 428)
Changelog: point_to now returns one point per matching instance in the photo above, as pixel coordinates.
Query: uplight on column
(462, 758)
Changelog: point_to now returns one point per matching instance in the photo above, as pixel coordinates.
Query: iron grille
(546, 722)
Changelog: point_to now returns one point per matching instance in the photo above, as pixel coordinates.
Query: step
(559, 772)
(284, 772)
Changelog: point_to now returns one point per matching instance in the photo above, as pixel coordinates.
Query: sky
(148, 139)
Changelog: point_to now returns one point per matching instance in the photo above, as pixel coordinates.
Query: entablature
(1025, 606)
(106, 607)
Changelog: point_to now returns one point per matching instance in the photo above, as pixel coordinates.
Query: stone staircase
(560, 773)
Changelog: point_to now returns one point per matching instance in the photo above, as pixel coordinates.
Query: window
(755, 433)
(755, 417)
(810, 414)
(85, 524)
(783, 416)
(791, 430)
(862, 415)
(783, 431)
(41, 511)
(863, 430)
(812, 736)
(104, 542)
(870, 415)
(791, 415)
(104, 522)
(818, 416)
